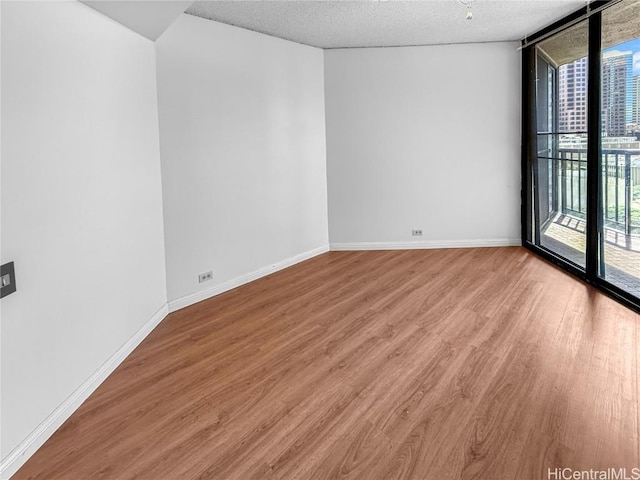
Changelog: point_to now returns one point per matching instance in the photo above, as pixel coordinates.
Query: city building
(636, 101)
(572, 96)
(616, 92)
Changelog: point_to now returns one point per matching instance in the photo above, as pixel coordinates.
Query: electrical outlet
(205, 277)
(416, 233)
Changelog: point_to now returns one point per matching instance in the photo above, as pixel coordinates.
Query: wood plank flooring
(422, 364)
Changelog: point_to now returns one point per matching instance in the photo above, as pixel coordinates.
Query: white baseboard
(19, 455)
(424, 244)
(190, 299)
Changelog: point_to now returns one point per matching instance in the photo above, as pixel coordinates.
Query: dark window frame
(590, 274)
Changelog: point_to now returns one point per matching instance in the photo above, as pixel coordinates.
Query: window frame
(529, 209)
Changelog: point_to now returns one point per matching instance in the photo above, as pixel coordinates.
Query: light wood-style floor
(424, 364)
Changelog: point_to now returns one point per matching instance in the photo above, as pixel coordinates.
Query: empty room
(303, 239)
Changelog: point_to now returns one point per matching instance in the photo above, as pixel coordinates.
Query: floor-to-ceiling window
(560, 167)
(620, 176)
(581, 148)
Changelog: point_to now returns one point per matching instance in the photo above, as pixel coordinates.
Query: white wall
(243, 154)
(423, 138)
(81, 203)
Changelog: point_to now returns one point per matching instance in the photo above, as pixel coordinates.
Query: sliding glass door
(560, 184)
(620, 193)
(581, 146)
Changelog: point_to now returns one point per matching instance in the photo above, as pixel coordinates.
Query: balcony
(564, 229)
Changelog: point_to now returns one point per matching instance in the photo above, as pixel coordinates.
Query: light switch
(7, 279)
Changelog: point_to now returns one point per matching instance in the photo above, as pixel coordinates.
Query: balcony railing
(620, 191)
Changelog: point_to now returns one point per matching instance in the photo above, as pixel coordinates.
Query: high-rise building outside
(636, 100)
(616, 92)
(572, 96)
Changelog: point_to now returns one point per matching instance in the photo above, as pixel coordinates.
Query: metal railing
(572, 170)
(620, 174)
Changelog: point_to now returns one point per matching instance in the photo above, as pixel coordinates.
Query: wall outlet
(416, 233)
(205, 277)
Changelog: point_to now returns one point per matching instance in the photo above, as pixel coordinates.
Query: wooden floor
(424, 364)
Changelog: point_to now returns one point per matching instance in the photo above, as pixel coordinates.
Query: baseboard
(188, 300)
(425, 244)
(19, 455)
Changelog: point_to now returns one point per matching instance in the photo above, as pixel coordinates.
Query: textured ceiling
(342, 24)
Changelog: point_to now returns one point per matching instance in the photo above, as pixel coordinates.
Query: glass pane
(620, 194)
(560, 173)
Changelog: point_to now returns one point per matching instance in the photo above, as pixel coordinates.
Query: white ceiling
(379, 23)
(147, 17)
